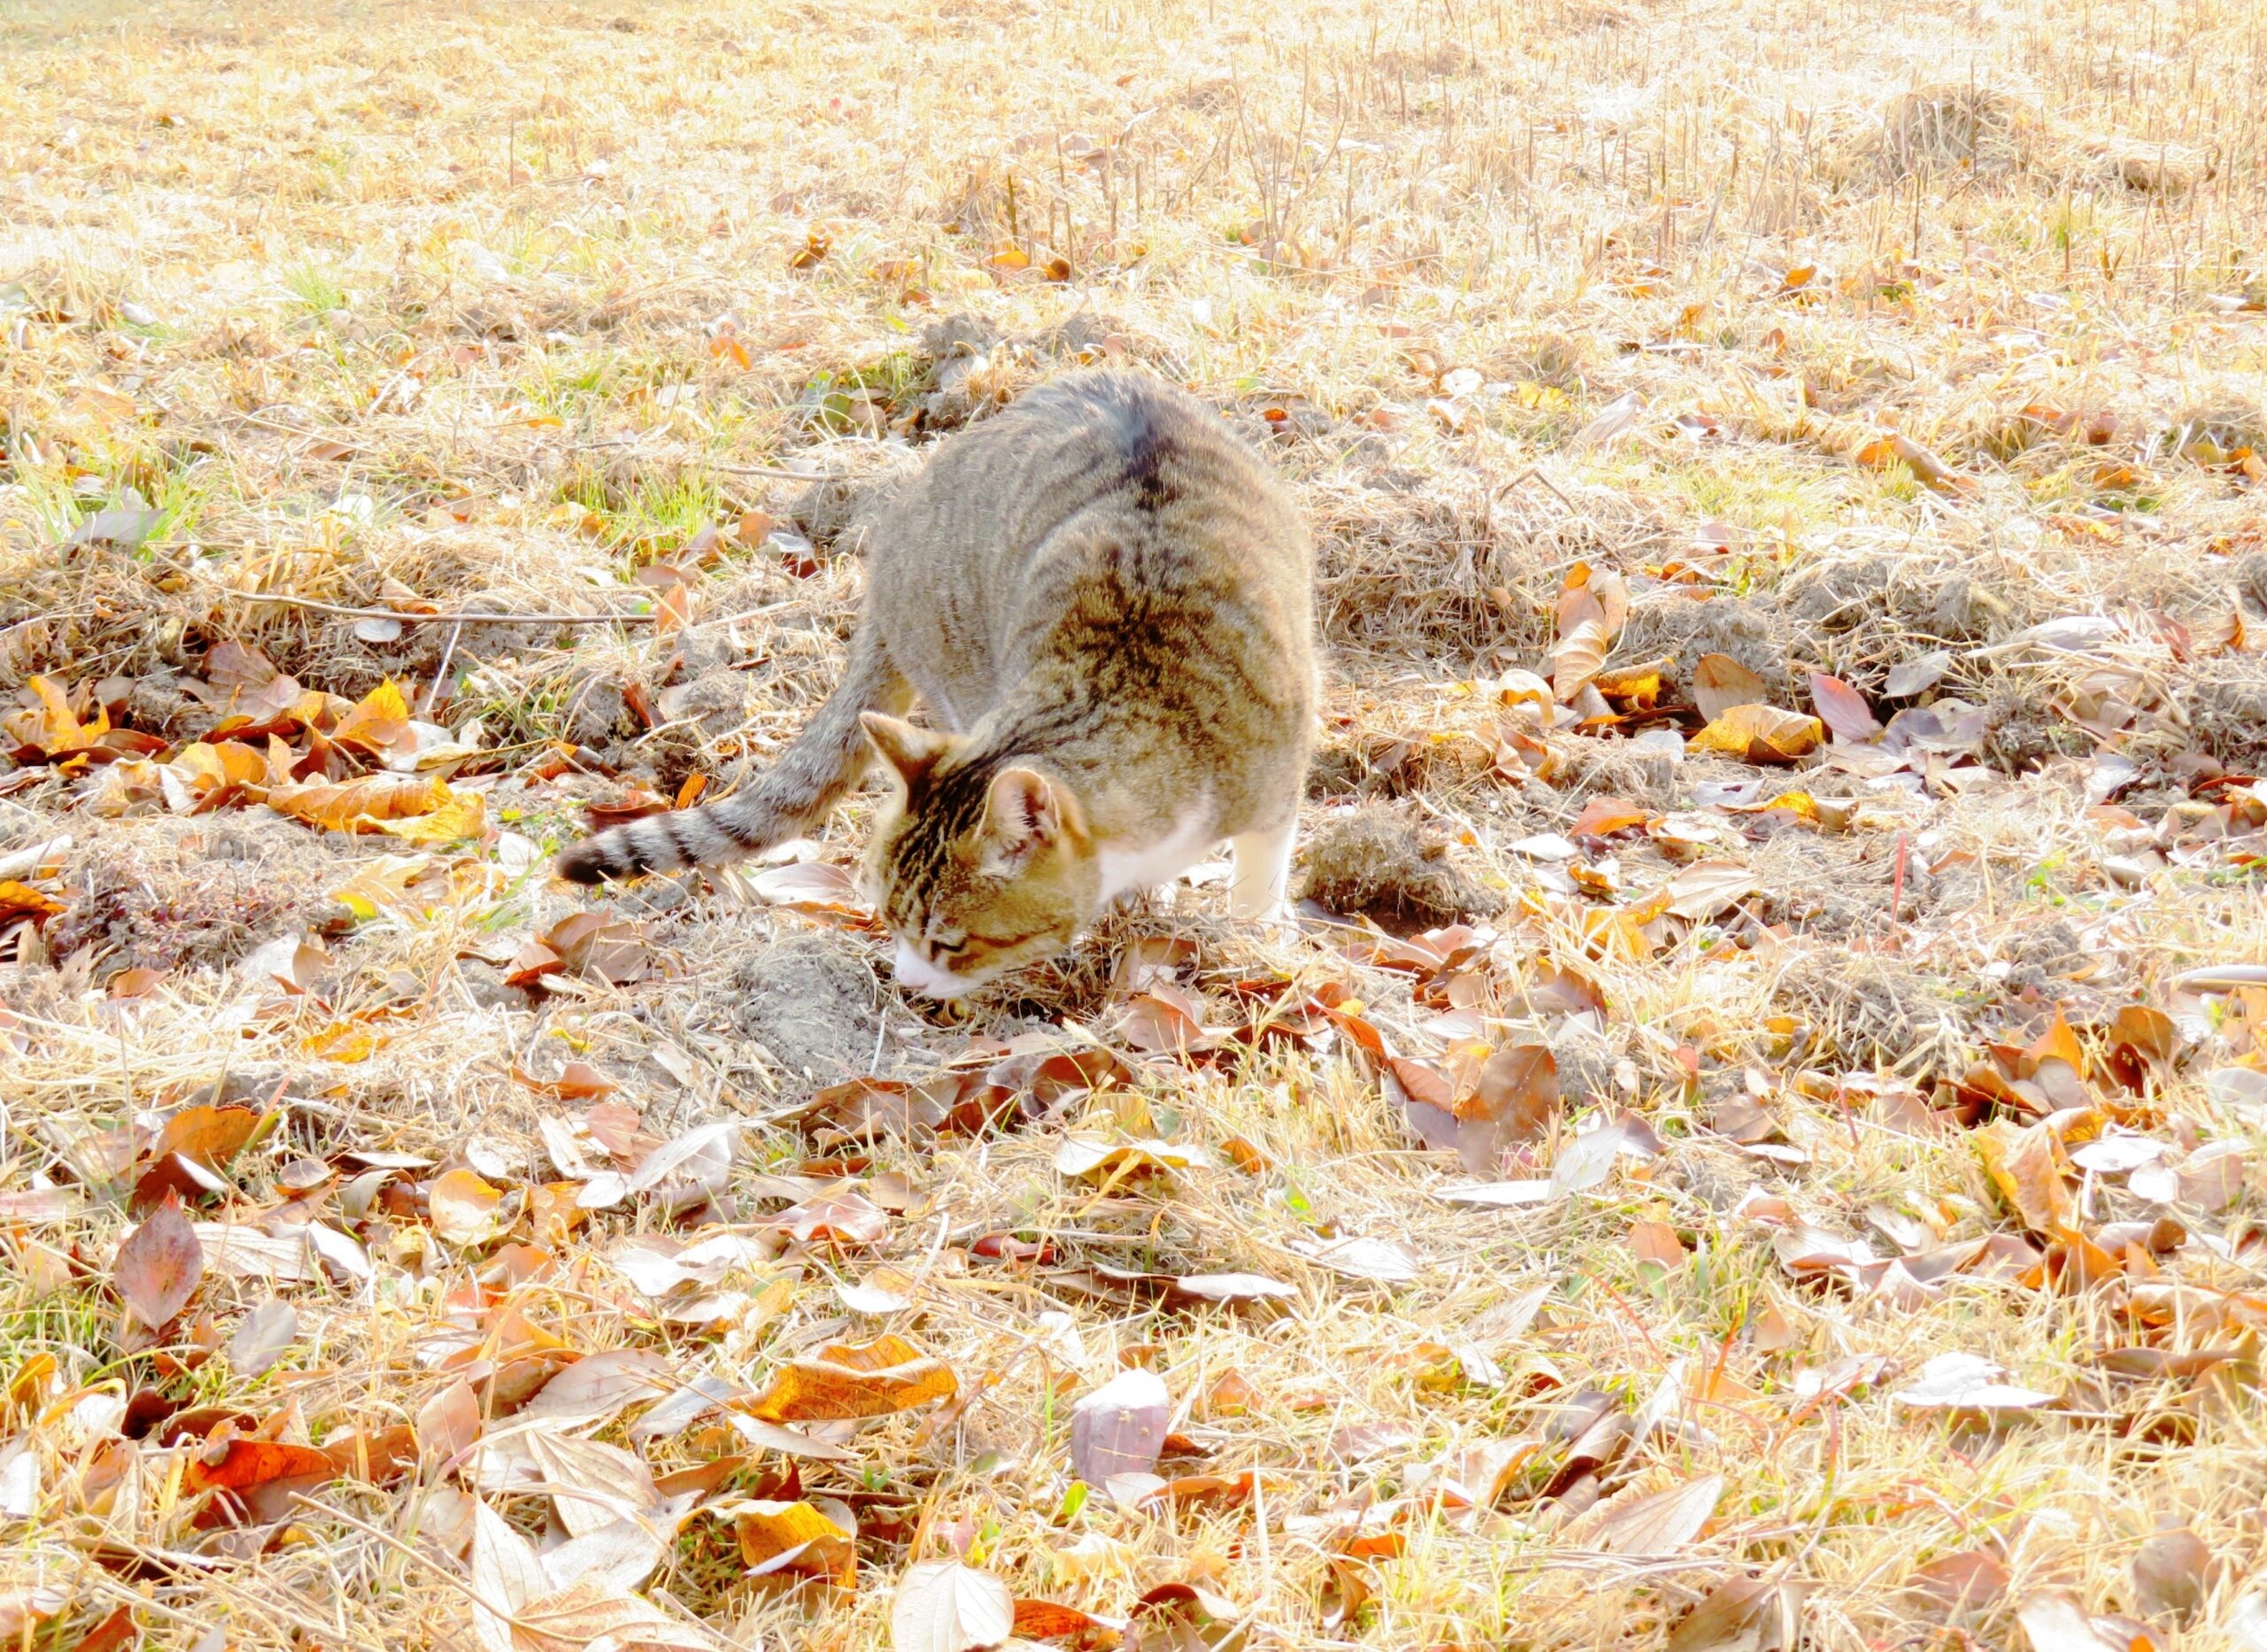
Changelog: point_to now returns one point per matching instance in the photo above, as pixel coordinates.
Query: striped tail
(786, 800)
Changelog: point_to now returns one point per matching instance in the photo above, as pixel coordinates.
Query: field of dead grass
(1756, 1144)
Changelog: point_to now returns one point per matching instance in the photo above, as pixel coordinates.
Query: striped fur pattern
(1103, 601)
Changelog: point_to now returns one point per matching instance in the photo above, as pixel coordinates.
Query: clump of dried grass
(1947, 129)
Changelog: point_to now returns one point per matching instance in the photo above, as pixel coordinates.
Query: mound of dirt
(1372, 862)
(166, 894)
(810, 997)
(1867, 1010)
(1682, 630)
(2228, 710)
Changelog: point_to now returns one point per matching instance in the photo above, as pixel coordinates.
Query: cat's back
(1101, 444)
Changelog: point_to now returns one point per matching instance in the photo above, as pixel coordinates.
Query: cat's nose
(917, 973)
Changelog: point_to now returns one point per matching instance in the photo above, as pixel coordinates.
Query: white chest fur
(1124, 867)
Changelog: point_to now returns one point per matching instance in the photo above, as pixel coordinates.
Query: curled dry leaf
(2025, 1164)
(798, 1537)
(852, 1380)
(369, 804)
(1760, 734)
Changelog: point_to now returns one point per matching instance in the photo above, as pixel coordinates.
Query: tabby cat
(1102, 599)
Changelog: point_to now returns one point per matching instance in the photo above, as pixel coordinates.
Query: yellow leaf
(364, 805)
(793, 1537)
(1761, 734)
(378, 723)
(462, 815)
(854, 1380)
(2025, 1164)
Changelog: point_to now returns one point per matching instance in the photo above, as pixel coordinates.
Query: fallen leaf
(778, 1536)
(1970, 1580)
(1663, 1523)
(2173, 1570)
(594, 1615)
(1707, 888)
(600, 1384)
(1842, 708)
(2024, 1163)
(854, 1380)
(1087, 1157)
(262, 1337)
(363, 804)
(1720, 683)
(1760, 734)
(942, 1606)
(1918, 674)
(1966, 1382)
(158, 1264)
(1120, 1427)
(463, 1208)
(2052, 1621)
(1384, 1262)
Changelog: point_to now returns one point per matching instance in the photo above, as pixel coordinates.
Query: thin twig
(446, 619)
(448, 653)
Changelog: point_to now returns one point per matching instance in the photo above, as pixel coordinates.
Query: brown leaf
(1720, 683)
(854, 1380)
(210, 1135)
(1729, 1618)
(1120, 1427)
(1046, 1620)
(1662, 1524)
(262, 1337)
(1760, 734)
(2024, 1163)
(2173, 1571)
(158, 1264)
(1517, 1101)
(1842, 708)
(1576, 658)
(448, 1423)
(1602, 816)
(254, 1478)
(1972, 1580)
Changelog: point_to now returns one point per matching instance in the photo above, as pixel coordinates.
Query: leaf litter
(1757, 1143)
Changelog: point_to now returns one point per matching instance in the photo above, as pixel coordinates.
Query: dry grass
(487, 308)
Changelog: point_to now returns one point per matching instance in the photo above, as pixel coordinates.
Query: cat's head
(977, 869)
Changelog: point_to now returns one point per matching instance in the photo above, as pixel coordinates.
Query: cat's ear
(1024, 812)
(909, 750)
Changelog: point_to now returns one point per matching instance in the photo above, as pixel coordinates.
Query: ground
(1755, 1140)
